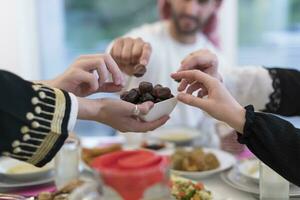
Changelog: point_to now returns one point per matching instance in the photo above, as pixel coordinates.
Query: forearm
(90, 109)
(34, 119)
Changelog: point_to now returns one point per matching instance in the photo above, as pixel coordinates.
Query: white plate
(8, 184)
(176, 134)
(19, 171)
(236, 180)
(249, 169)
(226, 161)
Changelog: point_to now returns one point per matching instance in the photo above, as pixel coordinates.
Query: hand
(129, 53)
(203, 60)
(118, 114)
(219, 103)
(89, 74)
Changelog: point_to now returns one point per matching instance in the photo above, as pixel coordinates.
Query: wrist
(90, 109)
(238, 119)
(49, 83)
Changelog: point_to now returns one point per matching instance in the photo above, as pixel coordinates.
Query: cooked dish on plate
(194, 160)
(185, 189)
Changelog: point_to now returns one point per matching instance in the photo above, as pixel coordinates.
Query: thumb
(145, 107)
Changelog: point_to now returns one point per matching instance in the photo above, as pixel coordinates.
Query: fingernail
(144, 62)
(118, 81)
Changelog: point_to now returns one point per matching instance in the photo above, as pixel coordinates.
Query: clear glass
(88, 191)
(67, 162)
(272, 185)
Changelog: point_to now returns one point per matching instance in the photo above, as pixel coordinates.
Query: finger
(145, 107)
(91, 80)
(150, 126)
(193, 75)
(192, 100)
(116, 51)
(146, 53)
(110, 87)
(137, 51)
(182, 85)
(202, 93)
(102, 71)
(200, 61)
(126, 51)
(194, 87)
(114, 69)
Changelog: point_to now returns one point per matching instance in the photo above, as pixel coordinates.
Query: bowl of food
(22, 171)
(164, 101)
(177, 135)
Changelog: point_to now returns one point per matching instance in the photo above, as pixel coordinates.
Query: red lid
(131, 172)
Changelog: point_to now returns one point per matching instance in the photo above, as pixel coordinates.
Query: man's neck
(185, 39)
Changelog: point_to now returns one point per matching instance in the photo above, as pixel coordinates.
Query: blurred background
(40, 38)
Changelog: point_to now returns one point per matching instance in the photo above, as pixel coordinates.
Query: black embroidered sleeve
(33, 119)
(285, 100)
(274, 141)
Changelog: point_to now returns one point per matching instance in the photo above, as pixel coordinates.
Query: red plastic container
(130, 173)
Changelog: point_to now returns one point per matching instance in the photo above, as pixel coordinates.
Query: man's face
(190, 15)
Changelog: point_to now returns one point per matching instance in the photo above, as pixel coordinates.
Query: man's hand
(118, 114)
(132, 55)
(90, 74)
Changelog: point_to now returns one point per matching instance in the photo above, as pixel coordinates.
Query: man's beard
(181, 30)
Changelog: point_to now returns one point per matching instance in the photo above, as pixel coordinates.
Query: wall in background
(19, 35)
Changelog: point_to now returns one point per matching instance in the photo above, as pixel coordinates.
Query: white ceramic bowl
(160, 109)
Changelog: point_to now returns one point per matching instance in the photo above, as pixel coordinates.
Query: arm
(35, 119)
(273, 140)
(272, 90)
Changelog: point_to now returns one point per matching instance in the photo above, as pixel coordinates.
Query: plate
(226, 161)
(236, 180)
(177, 135)
(7, 184)
(16, 170)
(250, 169)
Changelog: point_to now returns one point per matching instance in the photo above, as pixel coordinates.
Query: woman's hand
(90, 74)
(219, 103)
(118, 114)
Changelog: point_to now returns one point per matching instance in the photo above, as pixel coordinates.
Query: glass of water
(272, 185)
(67, 162)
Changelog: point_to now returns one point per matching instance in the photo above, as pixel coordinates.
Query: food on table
(146, 92)
(139, 70)
(175, 137)
(62, 194)
(24, 168)
(89, 154)
(194, 160)
(184, 189)
(157, 145)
